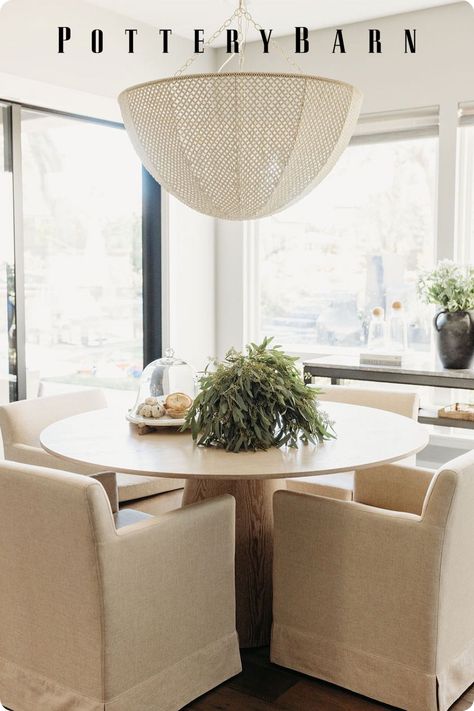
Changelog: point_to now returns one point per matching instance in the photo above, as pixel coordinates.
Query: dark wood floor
(263, 686)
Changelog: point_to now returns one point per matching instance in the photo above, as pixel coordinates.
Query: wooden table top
(365, 437)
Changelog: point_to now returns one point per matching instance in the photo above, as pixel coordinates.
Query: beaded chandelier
(241, 145)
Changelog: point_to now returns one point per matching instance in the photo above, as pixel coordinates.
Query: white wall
(78, 81)
(189, 288)
(440, 73)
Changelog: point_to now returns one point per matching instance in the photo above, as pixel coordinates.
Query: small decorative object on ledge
(452, 288)
(397, 328)
(256, 400)
(377, 337)
(377, 353)
(388, 359)
(458, 411)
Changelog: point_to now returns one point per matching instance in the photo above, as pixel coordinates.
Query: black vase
(455, 338)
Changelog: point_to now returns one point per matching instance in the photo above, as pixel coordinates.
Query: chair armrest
(360, 576)
(109, 482)
(28, 454)
(393, 486)
(169, 586)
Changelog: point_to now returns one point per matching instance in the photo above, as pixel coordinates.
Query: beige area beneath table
(365, 438)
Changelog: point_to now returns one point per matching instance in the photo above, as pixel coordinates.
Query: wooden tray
(458, 411)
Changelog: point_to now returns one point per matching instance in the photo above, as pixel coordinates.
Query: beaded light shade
(241, 145)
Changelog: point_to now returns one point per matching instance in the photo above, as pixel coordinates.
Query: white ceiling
(182, 16)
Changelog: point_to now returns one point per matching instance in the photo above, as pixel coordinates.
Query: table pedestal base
(254, 548)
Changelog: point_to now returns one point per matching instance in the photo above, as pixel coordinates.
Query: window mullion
(465, 184)
(446, 218)
(152, 275)
(19, 269)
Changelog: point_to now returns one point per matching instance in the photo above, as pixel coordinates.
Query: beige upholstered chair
(99, 618)
(377, 594)
(21, 424)
(341, 486)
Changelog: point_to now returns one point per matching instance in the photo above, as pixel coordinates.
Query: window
(82, 252)
(358, 241)
(80, 256)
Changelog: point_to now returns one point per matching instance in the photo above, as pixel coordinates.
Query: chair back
(449, 504)
(22, 422)
(400, 402)
(51, 616)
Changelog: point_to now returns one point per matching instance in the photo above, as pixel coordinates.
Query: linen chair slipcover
(122, 517)
(99, 618)
(22, 422)
(378, 600)
(341, 485)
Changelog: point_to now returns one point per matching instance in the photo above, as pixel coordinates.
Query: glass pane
(82, 224)
(356, 242)
(7, 275)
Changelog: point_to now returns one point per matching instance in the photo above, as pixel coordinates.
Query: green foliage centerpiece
(256, 400)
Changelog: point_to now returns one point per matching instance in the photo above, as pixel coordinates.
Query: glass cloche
(167, 381)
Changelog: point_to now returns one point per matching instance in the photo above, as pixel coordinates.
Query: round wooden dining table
(366, 437)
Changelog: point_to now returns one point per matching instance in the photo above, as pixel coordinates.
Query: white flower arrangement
(448, 285)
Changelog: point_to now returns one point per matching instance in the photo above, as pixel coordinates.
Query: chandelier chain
(279, 47)
(239, 13)
(209, 42)
(244, 39)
